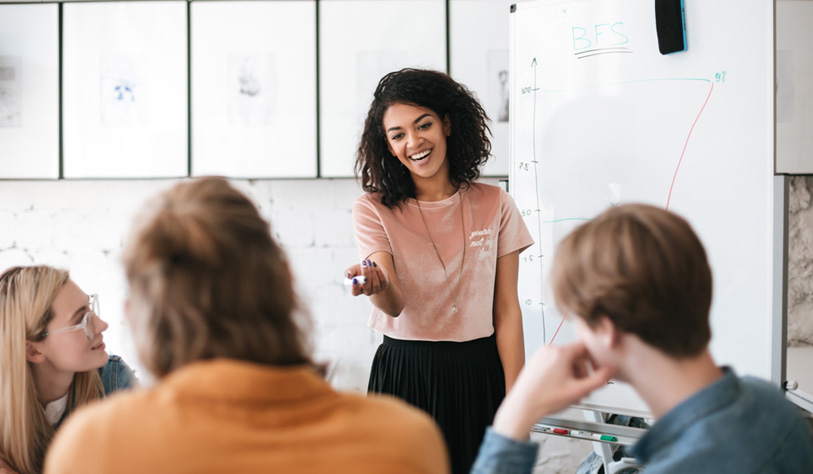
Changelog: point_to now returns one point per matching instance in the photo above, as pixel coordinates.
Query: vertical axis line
(538, 209)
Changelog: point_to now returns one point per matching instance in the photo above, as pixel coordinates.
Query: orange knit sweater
(230, 416)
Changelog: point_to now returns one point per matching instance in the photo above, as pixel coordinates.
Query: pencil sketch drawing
(498, 85)
(251, 89)
(124, 92)
(10, 92)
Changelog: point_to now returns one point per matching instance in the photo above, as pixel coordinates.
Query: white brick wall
(80, 225)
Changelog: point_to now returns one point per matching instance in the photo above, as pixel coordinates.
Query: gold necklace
(445, 273)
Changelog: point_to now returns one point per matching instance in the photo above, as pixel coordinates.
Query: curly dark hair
(468, 147)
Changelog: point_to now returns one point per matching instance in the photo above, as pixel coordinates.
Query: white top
(55, 409)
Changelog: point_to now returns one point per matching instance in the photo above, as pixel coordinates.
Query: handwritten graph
(533, 211)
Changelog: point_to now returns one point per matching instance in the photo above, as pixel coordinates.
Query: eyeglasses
(88, 323)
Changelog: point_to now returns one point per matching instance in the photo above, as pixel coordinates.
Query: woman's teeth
(420, 156)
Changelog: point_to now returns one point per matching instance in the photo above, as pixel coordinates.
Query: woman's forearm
(508, 318)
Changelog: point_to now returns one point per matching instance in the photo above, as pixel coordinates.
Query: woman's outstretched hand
(375, 278)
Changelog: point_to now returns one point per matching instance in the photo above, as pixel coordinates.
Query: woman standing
(53, 361)
(440, 256)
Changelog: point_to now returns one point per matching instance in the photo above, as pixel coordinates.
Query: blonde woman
(216, 320)
(53, 361)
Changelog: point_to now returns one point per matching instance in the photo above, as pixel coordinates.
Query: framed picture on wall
(478, 50)
(125, 90)
(254, 89)
(29, 91)
(361, 41)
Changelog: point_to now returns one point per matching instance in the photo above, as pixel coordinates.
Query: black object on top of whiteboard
(670, 26)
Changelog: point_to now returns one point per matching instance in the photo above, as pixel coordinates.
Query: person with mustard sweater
(215, 319)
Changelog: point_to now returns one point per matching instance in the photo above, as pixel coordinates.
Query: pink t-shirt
(492, 228)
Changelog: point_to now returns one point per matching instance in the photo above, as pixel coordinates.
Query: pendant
(454, 308)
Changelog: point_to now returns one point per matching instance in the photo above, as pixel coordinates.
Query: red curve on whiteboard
(557, 329)
(686, 144)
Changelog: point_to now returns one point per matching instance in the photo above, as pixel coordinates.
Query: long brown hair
(208, 281)
(26, 297)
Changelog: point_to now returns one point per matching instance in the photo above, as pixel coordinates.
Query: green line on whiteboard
(628, 82)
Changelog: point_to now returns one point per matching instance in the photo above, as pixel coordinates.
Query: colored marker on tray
(595, 436)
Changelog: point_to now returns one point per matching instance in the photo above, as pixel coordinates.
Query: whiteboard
(599, 117)
(254, 89)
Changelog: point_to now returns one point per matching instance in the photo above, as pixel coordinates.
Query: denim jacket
(741, 425)
(117, 375)
(734, 425)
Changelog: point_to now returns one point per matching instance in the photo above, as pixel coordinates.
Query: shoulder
(117, 375)
(757, 427)
(398, 411)
(368, 203)
(481, 193)
(478, 190)
(369, 206)
(368, 199)
(397, 431)
(761, 387)
(763, 401)
(759, 393)
(100, 425)
(72, 437)
(395, 418)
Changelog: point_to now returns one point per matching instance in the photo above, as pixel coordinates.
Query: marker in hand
(360, 280)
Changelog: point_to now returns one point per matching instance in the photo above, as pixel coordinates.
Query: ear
(608, 333)
(33, 354)
(447, 125)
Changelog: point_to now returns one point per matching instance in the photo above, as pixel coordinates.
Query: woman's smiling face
(73, 351)
(417, 137)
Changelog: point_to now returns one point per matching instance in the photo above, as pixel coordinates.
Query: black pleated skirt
(460, 384)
